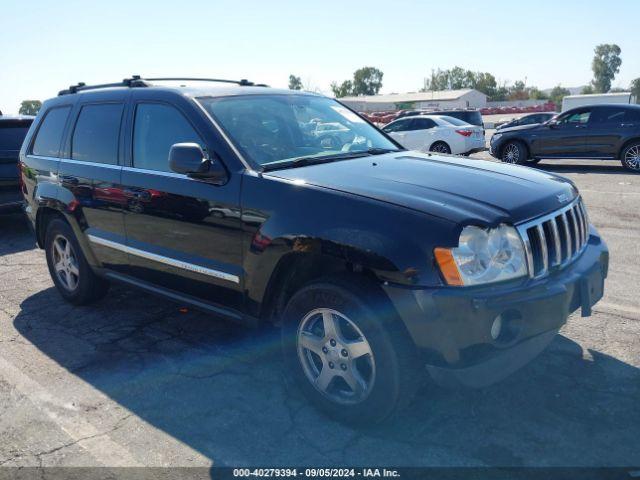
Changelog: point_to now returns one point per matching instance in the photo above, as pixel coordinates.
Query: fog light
(496, 327)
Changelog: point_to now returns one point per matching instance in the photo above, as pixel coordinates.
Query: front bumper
(452, 326)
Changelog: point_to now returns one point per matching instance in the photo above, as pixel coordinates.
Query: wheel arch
(626, 144)
(294, 270)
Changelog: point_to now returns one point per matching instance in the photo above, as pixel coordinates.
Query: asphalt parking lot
(135, 381)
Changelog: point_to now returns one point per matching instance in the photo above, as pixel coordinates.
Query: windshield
(274, 129)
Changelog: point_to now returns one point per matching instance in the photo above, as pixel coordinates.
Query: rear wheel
(440, 147)
(347, 350)
(68, 267)
(630, 157)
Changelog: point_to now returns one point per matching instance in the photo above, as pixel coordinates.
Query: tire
(514, 152)
(440, 147)
(630, 157)
(69, 270)
(386, 372)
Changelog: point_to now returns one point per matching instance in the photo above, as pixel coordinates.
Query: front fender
(394, 243)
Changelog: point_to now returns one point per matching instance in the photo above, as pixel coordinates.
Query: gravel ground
(133, 381)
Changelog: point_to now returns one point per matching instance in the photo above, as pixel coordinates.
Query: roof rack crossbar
(137, 81)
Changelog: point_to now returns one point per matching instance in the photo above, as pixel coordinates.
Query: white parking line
(82, 433)
(608, 193)
(606, 306)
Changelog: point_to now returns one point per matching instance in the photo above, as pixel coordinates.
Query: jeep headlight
(483, 255)
(496, 136)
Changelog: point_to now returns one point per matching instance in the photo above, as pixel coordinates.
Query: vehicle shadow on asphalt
(577, 167)
(221, 390)
(14, 234)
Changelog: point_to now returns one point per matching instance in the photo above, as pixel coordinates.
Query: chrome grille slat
(585, 220)
(576, 235)
(543, 249)
(556, 239)
(565, 227)
(578, 216)
(557, 247)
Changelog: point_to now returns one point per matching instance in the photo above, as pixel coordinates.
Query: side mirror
(189, 159)
(552, 123)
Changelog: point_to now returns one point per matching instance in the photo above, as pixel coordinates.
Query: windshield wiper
(315, 160)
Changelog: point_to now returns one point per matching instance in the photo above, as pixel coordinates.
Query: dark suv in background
(371, 259)
(12, 133)
(592, 132)
(532, 118)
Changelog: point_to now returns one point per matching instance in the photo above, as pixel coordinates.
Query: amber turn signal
(448, 266)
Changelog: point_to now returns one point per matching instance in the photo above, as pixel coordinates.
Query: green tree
(587, 90)
(295, 83)
(367, 81)
(30, 107)
(635, 89)
(518, 91)
(557, 94)
(605, 65)
(486, 83)
(343, 89)
(535, 94)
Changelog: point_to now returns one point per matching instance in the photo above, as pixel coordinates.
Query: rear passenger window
(422, 124)
(49, 136)
(97, 133)
(156, 128)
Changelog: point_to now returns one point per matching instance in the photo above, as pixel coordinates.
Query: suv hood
(453, 188)
(518, 128)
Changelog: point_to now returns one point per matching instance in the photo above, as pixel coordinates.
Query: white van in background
(573, 101)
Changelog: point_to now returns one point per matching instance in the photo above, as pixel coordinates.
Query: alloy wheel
(511, 154)
(65, 263)
(335, 356)
(632, 157)
(440, 148)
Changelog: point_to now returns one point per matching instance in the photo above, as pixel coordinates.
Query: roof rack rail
(137, 81)
(134, 81)
(244, 82)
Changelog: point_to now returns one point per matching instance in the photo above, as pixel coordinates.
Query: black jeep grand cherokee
(375, 261)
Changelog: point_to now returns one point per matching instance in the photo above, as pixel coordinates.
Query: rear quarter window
(49, 135)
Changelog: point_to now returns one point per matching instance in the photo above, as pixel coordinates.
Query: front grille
(555, 240)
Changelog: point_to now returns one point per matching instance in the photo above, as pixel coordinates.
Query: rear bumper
(452, 326)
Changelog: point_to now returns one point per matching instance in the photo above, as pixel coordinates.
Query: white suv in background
(437, 133)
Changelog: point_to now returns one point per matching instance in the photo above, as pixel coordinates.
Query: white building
(466, 98)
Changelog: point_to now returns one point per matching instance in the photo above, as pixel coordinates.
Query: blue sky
(47, 45)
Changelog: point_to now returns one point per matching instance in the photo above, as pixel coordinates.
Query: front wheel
(514, 152)
(630, 157)
(347, 350)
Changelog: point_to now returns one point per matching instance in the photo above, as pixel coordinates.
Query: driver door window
(401, 126)
(156, 128)
(578, 118)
